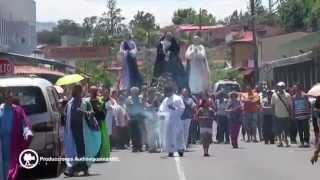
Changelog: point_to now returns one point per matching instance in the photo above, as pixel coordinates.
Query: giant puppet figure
(130, 75)
(168, 62)
(198, 67)
(15, 136)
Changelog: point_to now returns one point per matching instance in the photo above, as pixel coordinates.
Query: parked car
(226, 86)
(40, 100)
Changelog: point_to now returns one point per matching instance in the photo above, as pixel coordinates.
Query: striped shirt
(301, 107)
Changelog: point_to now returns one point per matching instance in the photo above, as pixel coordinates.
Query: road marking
(180, 169)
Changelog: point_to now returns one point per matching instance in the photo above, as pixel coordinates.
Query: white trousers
(186, 128)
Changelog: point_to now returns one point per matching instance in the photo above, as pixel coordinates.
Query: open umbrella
(69, 79)
(315, 90)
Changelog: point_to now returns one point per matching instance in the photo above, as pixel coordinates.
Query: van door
(56, 120)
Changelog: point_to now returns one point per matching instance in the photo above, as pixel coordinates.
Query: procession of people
(163, 118)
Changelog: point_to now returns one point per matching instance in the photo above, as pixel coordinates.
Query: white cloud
(53, 10)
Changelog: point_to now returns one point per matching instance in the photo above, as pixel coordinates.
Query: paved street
(250, 162)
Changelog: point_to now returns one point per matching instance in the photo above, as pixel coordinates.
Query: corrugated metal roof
(192, 27)
(35, 70)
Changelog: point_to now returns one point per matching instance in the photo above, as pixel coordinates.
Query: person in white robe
(198, 68)
(172, 108)
(110, 105)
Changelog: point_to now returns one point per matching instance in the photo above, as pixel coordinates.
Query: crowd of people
(169, 119)
(172, 112)
(152, 120)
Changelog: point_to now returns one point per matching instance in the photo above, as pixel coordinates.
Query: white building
(18, 26)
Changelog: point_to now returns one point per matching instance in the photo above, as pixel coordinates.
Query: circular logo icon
(28, 159)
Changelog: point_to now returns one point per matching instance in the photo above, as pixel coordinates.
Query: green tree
(312, 11)
(292, 15)
(68, 27)
(143, 27)
(181, 16)
(96, 72)
(64, 27)
(191, 16)
(48, 37)
(111, 19)
(144, 20)
(89, 25)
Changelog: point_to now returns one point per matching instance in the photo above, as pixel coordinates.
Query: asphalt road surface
(250, 162)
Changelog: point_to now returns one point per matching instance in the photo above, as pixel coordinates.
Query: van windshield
(30, 98)
(227, 88)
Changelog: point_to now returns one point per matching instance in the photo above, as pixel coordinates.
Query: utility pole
(270, 5)
(200, 19)
(254, 43)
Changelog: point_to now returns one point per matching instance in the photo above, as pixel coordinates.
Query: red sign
(6, 67)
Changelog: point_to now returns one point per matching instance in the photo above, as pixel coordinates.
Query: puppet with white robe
(130, 75)
(199, 72)
(171, 109)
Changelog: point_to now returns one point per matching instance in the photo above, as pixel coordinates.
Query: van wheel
(54, 169)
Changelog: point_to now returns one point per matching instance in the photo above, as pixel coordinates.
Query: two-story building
(18, 26)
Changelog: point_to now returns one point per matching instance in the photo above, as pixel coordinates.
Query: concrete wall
(18, 26)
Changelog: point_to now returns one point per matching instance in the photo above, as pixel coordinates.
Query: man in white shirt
(282, 108)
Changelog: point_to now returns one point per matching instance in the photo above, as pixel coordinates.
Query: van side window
(52, 98)
(30, 98)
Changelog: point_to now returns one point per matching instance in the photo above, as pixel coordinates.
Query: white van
(226, 86)
(40, 100)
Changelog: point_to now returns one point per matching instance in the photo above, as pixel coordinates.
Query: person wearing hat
(281, 103)
(234, 110)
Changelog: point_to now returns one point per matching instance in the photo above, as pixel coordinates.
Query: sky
(54, 10)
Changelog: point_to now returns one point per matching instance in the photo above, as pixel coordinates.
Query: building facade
(18, 26)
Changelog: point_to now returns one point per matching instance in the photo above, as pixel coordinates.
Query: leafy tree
(143, 27)
(312, 9)
(234, 18)
(111, 19)
(48, 37)
(89, 24)
(182, 16)
(96, 72)
(292, 15)
(64, 27)
(144, 20)
(191, 16)
(68, 27)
